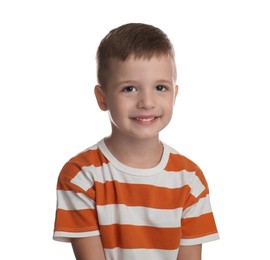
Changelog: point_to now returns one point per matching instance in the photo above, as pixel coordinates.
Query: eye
(129, 89)
(161, 88)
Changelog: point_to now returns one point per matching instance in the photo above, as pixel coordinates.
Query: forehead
(163, 65)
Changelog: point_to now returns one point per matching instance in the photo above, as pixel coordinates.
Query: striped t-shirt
(139, 213)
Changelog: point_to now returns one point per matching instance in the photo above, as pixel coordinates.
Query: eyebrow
(166, 81)
(127, 82)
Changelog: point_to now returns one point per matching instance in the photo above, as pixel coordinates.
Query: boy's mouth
(145, 119)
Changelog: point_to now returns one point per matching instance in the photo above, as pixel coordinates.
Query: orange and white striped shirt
(139, 213)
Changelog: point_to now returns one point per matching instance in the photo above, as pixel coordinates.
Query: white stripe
(69, 200)
(135, 171)
(199, 240)
(196, 187)
(65, 236)
(149, 254)
(84, 179)
(107, 172)
(140, 216)
(203, 206)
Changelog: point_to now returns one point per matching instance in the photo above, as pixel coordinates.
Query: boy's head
(133, 39)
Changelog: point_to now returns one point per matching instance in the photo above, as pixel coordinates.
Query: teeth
(145, 119)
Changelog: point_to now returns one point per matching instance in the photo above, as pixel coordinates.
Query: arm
(89, 248)
(190, 252)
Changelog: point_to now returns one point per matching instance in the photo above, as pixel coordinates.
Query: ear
(100, 96)
(176, 92)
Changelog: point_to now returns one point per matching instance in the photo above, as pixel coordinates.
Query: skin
(89, 248)
(190, 252)
(139, 97)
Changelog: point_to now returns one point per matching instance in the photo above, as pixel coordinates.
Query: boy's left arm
(190, 252)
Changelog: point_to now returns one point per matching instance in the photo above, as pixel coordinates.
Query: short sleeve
(76, 215)
(198, 223)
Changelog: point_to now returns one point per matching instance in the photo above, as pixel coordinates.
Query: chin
(145, 137)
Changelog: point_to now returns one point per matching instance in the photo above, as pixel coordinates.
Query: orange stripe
(193, 200)
(90, 157)
(179, 162)
(76, 220)
(190, 201)
(128, 236)
(113, 192)
(68, 186)
(74, 165)
(200, 226)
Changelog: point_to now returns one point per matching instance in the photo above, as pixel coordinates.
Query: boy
(131, 196)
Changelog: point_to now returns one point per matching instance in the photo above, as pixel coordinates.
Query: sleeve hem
(199, 240)
(66, 236)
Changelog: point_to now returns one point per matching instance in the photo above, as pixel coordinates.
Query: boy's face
(139, 96)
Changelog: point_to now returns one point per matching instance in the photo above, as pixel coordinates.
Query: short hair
(132, 39)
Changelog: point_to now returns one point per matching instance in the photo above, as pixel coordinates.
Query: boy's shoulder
(179, 162)
(91, 156)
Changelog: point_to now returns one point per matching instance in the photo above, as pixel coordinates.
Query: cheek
(169, 104)
(117, 110)
(169, 110)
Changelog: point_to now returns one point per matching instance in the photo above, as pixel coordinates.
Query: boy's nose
(146, 100)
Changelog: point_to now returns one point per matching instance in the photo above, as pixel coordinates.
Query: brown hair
(137, 39)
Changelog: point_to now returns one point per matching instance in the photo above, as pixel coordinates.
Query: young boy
(131, 196)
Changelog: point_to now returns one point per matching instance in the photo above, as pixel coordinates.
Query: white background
(48, 110)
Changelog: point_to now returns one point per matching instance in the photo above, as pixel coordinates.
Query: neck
(137, 153)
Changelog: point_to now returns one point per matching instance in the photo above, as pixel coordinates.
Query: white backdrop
(48, 110)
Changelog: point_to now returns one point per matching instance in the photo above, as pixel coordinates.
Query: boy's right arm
(89, 248)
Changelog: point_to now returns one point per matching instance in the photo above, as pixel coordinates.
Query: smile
(145, 119)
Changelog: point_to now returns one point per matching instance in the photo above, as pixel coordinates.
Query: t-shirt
(138, 213)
